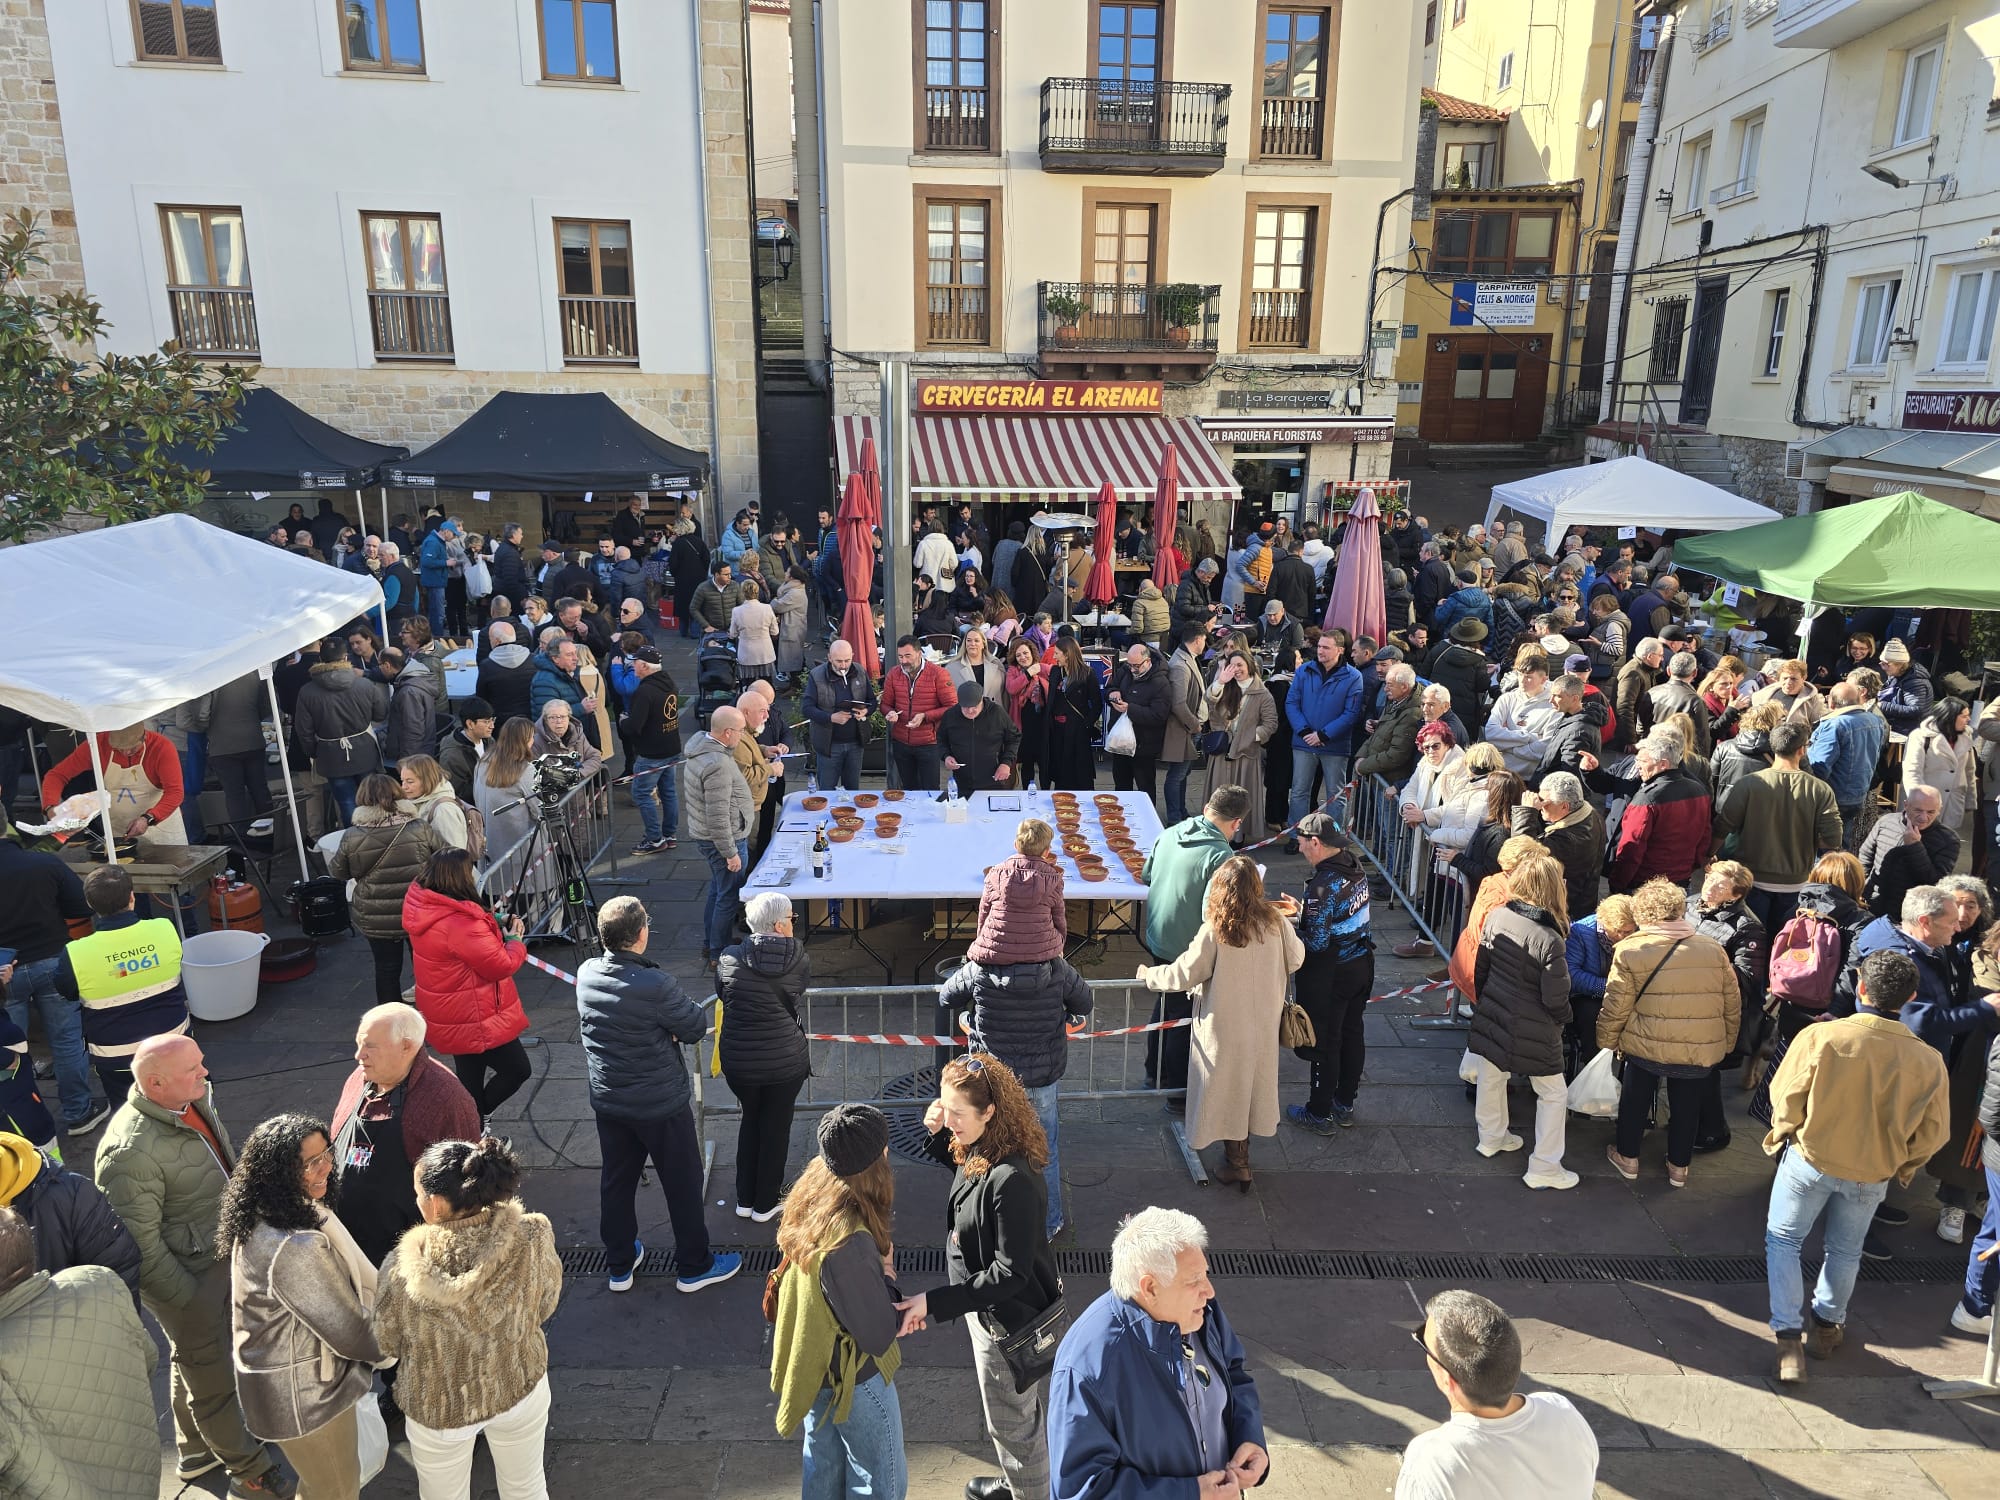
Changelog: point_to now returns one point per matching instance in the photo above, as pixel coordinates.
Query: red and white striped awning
(1026, 457)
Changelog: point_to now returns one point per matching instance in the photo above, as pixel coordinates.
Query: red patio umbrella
(857, 571)
(1166, 521)
(1355, 603)
(870, 471)
(1100, 589)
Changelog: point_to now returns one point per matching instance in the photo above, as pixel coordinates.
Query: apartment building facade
(1162, 203)
(398, 208)
(1821, 265)
(1507, 277)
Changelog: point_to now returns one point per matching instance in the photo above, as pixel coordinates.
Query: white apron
(132, 792)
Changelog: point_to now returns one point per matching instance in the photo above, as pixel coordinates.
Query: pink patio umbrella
(857, 571)
(1356, 601)
(1167, 563)
(870, 470)
(1100, 589)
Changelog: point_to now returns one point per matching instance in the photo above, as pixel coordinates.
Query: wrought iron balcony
(214, 320)
(1121, 125)
(1128, 327)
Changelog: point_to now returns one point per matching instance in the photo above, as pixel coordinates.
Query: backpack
(475, 831)
(1805, 961)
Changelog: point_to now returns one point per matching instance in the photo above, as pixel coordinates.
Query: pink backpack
(1805, 961)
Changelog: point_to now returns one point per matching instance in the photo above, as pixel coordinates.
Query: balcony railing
(958, 314)
(1718, 30)
(214, 320)
(956, 119)
(1755, 10)
(1640, 70)
(411, 325)
(1729, 192)
(1110, 316)
(1090, 124)
(600, 330)
(1280, 319)
(1290, 127)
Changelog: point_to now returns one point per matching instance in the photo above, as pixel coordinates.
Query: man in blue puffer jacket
(434, 558)
(1324, 705)
(1469, 602)
(1846, 746)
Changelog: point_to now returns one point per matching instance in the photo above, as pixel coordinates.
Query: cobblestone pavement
(658, 1393)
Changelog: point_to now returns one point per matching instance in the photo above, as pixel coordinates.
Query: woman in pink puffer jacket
(1021, 915)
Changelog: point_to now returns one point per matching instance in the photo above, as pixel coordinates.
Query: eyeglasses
(320, 1161)
(1417, 1337)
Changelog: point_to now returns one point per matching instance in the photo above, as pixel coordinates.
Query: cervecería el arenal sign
(1040, 398)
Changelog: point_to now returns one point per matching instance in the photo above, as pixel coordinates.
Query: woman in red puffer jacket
(465, 979)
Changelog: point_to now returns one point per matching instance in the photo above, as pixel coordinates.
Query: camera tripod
(579, 902)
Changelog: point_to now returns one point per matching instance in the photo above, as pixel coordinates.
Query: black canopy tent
(276, 446)
(551, 440)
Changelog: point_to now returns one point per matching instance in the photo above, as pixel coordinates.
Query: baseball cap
(1577, 663)
(969, 693)
(1321, 826)
(647, 654)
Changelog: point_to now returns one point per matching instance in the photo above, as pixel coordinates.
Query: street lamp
(782, 251)
(1895, 180)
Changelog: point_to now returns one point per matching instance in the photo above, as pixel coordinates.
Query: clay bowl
(843, 809)
(895, 794)
(1105, 799)
(841, 836)
(865, 799)
(850, 824)
(1076, 844)
(1093, 873)
(813, 804)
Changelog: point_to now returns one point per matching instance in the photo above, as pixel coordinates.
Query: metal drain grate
(1462, 1266)
(907, 1136)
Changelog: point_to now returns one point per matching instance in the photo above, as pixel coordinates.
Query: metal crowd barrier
(1433, 893)
(891, 1073)
(530, 862)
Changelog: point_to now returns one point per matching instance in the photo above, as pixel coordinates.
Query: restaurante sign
(1040, 398)
(1952, 411)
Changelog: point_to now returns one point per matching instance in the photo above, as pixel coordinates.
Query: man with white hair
(634, 1018)
(1149, 1392)
(1437, 709)
(719, 821)
(400, 591)
(1632, 710)
(1664, 830)
(1562, 818)
(1677, 695)
(397, 1103)
(1512, 548)
(1391, 747)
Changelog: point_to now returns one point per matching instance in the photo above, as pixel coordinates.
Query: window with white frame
(1697, 174)
(1780, 302)
(1506, 80)
(1968, 320)
(1749, 146)
(1874, 322)
(1919, 95)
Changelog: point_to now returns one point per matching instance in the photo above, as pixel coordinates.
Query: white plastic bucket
(219, 971)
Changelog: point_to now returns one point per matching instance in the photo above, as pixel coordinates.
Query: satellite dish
(1596, 115)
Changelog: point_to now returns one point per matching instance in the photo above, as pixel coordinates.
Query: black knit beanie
(852, 1138)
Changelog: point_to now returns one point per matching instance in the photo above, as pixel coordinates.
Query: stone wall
(732, 274)
(34, 168)
(1760, 472)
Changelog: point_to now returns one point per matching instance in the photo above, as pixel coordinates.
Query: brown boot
(1823, 1338)
(1236, 1164)
(1791, 1359)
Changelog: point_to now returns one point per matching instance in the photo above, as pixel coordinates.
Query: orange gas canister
(239, 900)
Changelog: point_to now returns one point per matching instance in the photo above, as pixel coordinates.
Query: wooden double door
(1484, 387)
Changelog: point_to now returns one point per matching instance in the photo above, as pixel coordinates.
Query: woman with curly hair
(461, 1306)
(1003, 1274)
(1241, 957)
(833, 1325)
(300, 1294)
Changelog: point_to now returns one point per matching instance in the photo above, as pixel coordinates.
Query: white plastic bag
(1594, 1090)
(1123, 739)
(374, 1436)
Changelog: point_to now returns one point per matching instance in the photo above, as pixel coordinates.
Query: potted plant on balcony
(1068, 312)
(1181, 306)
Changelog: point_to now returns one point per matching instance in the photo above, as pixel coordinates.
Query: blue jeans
(861, 1458)
(1176, 790)
(1798, 1197)
(344, 789)
(62, 1020)
(1305, 759)
(1982, 1277)
(718, 912)
(841, 766)
(1773, 908)
(653, 790)
(1043, 1100)
(434, 608)
(194, 771)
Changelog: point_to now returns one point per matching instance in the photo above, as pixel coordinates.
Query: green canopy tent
(1901, 550)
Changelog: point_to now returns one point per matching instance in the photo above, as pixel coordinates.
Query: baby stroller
(715, 679)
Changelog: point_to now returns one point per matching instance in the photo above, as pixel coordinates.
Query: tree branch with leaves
(94, 436)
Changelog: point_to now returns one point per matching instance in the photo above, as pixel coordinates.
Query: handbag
(1030, 1351)
(1212, 742)
(771, 1288)
(1295, 1027)
(372, 1436)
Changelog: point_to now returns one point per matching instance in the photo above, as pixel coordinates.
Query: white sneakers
(1951, 1225)
(1507, 1142)
(1965, 1322)
(1559, 1180)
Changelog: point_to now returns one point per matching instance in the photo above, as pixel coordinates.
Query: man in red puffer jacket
(465, 968)
(915, 695)
(1022, 919)
(1664, 831)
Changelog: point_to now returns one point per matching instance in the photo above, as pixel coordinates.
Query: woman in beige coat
(1241, 960)
(1672, 1007)
(1939, 755)
(1239, 702)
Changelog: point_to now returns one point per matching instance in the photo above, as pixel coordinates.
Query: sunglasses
(1201, 1371)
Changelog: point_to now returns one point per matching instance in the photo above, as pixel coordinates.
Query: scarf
(1023, 691)
(359, 1271)
(1675, 927)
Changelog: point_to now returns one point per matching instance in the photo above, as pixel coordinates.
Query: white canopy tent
(199, 607)
(1631, 491)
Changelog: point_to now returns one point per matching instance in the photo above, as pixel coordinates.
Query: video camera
(558, 773)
